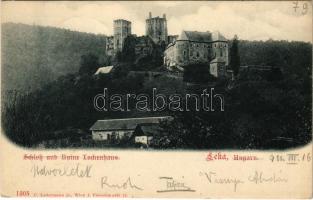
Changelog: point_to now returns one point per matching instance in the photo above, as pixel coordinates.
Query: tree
(128, 51)
(234, 56)
(88, 64)
(198, 73)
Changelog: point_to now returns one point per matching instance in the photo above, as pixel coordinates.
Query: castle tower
(122, 29)
(156, 28)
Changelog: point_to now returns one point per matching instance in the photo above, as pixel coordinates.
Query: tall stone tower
(156, 28)
(122, 29)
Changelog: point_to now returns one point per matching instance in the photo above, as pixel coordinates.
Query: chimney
(150, 15)
(164, 16)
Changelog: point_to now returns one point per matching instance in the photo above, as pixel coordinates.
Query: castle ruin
(156, 29)
(122, 29)
(190, 47)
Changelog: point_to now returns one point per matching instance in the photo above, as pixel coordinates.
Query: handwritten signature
(258, 177)
(127, 184)
(213, 178)
(78, 170)
(173, 185)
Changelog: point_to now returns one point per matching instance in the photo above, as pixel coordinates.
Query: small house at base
(144, 133)
(111, 129)
(104, 70)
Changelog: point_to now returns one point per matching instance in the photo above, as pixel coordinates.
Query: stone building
(122, 29)
(172, 38)
(144, 46)
(109, 45)
(193, 47)
(156, 28)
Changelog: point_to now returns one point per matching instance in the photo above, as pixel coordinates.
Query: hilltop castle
(121, 30)
(190, 47)
(156, 30)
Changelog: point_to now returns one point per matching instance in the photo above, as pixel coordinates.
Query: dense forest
(33, 56)
(262, 110)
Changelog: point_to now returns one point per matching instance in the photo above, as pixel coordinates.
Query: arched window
(198, 55)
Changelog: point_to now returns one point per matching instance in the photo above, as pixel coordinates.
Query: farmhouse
(115, 129)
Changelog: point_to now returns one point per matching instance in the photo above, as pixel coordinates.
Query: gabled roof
(104, 70)
(202, 36)
(148, 130)
(125, 124)
(195, 36)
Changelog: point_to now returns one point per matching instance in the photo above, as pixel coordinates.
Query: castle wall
(156, 28)
(122, 29)
(220, 50)
(144, 46)
(169, 57)
(199, 52)
(183, 53)
(109, 45)
(218, 69)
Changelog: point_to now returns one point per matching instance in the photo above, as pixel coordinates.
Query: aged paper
(177, 99)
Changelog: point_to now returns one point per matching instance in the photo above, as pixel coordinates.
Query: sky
(250, 20)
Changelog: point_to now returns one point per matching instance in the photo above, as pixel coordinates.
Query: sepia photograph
(156, 99)
(175, 75)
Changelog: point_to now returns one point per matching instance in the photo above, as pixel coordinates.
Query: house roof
(202, 36)
(125, 124)
(195, 36)
(148, 130)
(104, 70)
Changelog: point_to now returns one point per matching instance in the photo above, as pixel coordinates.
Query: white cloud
(230, 20)
(249, 20)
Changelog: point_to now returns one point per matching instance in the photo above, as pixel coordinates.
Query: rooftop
(196, 36)
(126, 123)
(148, 130)
(201, 36)
(104, 70)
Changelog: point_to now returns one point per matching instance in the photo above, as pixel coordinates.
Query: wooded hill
(257, 111)
(33, 56)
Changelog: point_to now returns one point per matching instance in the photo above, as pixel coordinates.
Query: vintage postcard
(156, 99)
